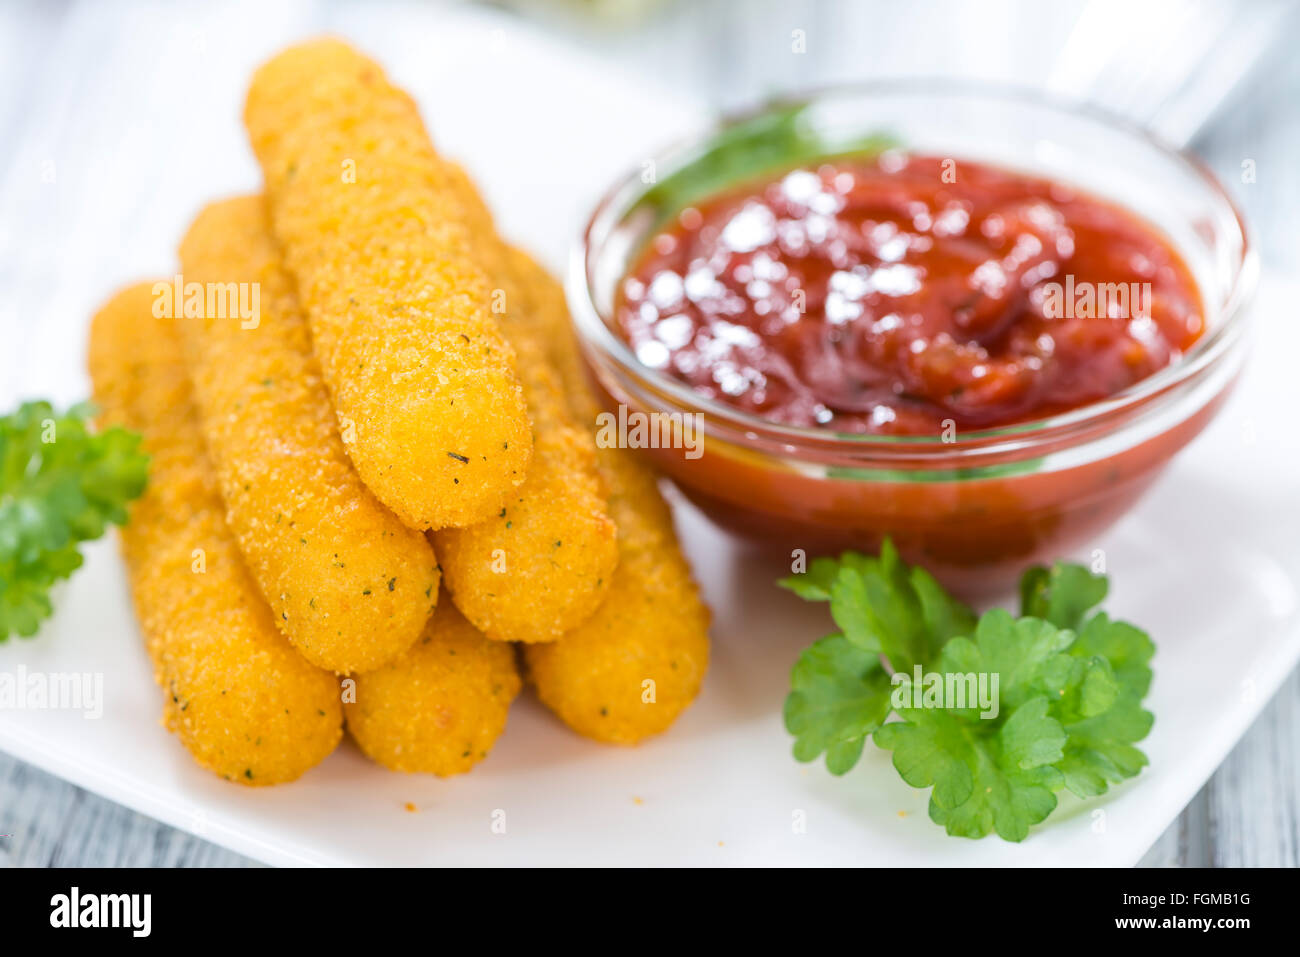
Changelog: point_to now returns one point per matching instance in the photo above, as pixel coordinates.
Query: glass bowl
(975, 511)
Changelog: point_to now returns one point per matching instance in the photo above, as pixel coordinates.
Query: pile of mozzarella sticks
(379, 503)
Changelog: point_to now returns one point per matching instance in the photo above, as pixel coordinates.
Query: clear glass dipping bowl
(978, 510)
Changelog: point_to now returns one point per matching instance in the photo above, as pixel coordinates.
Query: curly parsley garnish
(1070, 684)
(60, 485)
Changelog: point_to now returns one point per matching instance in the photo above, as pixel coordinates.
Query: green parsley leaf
(882, 605)
(1100, 750)
(1062, 594)
(815, 583)
(992, 778)
(60, 485)
(1015, 783)
(1106, 720)
(772, 141)
(1128, 649)
(945, 617)
(1069, 686)
(839, 695)
(1026, 654)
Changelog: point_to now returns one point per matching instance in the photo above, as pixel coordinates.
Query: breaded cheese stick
(439, 707)
(348, 583)
(245, 704)
(542, 565)
(628, 671)
(421, 378)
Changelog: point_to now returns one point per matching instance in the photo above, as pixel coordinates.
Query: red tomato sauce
(908, 295)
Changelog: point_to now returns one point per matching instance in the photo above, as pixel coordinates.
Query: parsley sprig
(1070, 688)
(60, 485)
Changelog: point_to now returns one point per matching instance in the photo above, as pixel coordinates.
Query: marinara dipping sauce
(908, 295)
(989, 367)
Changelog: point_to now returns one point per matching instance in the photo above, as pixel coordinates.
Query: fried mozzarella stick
(348, 583)
(633, 667)
(542, 565)
(440, 706)
(421, 378)
(245, 704)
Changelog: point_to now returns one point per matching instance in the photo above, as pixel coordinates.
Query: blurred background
(1220, 77)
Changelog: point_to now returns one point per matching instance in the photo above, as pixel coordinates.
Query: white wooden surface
(728, 54)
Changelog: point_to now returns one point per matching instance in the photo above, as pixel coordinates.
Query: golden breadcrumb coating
(542, 565)
(637, 663)
(421, 377)
(440, 706)
(245, 704)
(349, 584)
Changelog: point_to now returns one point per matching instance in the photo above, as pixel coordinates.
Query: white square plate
(139, 136)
